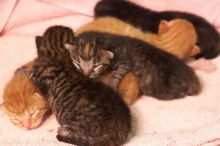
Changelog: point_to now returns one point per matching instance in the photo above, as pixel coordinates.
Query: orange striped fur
(23, 103)
(177, 37)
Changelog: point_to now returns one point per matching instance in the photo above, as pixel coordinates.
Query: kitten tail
(83, 141)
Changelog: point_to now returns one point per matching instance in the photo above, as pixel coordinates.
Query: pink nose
(27, 124)
(87, 72)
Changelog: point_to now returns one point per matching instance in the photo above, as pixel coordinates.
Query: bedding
(190, 121)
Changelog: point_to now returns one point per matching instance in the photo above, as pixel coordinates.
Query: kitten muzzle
(87, 72)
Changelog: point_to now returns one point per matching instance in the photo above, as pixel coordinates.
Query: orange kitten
(23, 103)
(177, 37)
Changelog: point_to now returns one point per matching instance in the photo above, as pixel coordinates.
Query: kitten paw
(113, 83)
(63, 131)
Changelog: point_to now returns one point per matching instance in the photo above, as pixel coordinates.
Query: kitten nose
(27, 124)
(87, 72)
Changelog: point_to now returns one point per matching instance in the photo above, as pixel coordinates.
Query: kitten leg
(64, 134)
(117, 75)
(63, 131)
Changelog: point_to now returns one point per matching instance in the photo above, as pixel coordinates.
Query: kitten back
(148, 20)
(54, 41)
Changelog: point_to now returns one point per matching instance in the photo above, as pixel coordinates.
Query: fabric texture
(190, 121)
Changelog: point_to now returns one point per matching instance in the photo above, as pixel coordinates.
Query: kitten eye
(33, 114)
(97, 67)
(76, 64)
(14, 120)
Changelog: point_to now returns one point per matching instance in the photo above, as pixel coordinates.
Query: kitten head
(183, 36)
(52, 43)
(89, 59)
(22, 102)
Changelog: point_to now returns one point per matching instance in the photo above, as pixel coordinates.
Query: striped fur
(159, 74)
(84, 108)
(177, 37)
(148, 21)
(89, 60)
(22, 102)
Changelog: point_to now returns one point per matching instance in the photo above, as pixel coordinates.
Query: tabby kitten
(159, 74)
(84, 108)
(177, 37)
(88, 63)
(23, 103)
(128, 86)
(149, 20)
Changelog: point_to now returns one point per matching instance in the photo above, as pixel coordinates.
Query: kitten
(148, 20)
(23, 103)
(84, 108)
(159, 74)
(177, 37)
(128, 86)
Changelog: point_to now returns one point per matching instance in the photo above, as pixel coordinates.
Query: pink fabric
(200, 7)
(191, 121)
(39, 14)
(6, 7)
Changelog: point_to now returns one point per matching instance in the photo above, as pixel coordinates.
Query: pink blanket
(191, 121)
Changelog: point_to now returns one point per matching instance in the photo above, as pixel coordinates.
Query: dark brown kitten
(89, 112)
(149, 20)
(159, 74)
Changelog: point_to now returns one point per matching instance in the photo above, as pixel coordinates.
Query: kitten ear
(38, 40)
(163, 27)
(108, 54)
(69, 47)
(111, 54)
(38, 95)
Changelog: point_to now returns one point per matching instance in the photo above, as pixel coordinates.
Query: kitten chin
(23, 103)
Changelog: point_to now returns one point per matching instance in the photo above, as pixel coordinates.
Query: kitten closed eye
(98, 68)
(22, 102)
(76, 63)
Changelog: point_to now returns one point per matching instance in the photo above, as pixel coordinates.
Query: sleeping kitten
(23, 103)
(148, 20)
(177, 37)
(159, 74)
(127, 87)
(84, 108)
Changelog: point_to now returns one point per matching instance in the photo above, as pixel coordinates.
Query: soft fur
(23, 102)
(177, 37)
(89, 112)
(159, 74)
(128, 86)
(148, 20)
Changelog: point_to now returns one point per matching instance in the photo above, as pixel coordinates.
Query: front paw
(113, 83)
